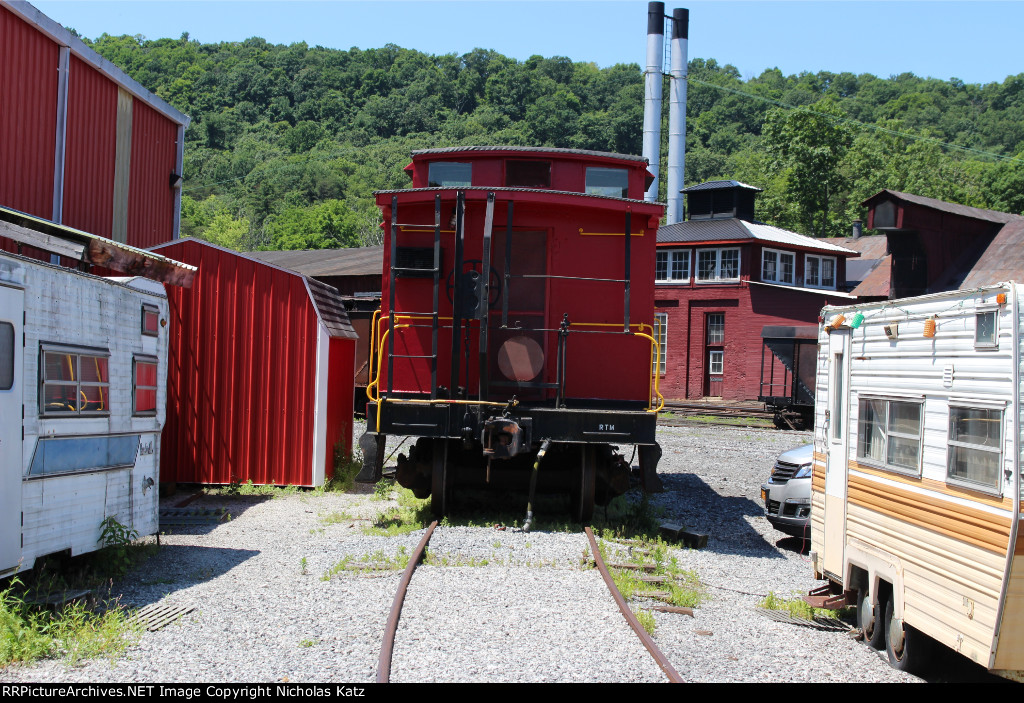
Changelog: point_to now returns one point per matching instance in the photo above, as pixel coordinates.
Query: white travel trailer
(916, 496)
(83, 368)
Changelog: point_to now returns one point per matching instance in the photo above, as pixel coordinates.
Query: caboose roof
(533, 150)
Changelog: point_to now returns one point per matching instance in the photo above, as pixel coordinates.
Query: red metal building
(259, 384)
(81, 143)
(721, 277)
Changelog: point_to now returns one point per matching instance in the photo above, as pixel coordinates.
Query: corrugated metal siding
(89, 154)
(153, 159)
(28, 116)
(242, 376)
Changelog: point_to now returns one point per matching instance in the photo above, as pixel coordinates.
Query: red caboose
(516, 320)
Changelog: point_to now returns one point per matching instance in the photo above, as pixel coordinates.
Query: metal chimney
(652, 92)
(677, 117)
(858, 228)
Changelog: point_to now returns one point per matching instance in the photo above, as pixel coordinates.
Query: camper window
(144, 385)
(6, 356)
(986, 332)
(889, 434)
(150, 321)
(975, 447)
(74, 383)
(66, 455)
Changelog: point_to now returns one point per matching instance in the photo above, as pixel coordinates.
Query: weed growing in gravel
(411, 514)
(382, 489)
(796, 607)
(346, 466)
(73, 631)
(376, 561)
(308, 643)
(335, 517)
(646, 619)
(302, 566)
(678, 586)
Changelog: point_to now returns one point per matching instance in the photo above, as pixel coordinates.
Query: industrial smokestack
(677, 117)
(652, 92)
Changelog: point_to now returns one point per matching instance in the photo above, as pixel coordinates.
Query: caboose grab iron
(517, 313)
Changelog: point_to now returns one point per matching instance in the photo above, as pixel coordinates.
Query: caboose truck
(517, 311)
(916, 499)
(83, 363)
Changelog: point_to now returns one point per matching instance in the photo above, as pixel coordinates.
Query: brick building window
(718, 265)
(820, 271)
(661, 334)
(672, 266)
(778, 266)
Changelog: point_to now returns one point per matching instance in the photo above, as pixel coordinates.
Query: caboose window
(613, 182)
(528, 174)
(718, 265)
(449, 174)
(73, 383)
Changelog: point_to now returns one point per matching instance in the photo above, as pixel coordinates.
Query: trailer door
(837, 444)
(11, 357)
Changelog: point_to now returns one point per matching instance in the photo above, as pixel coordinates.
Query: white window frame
(718, 265)
(817, 283)
(994, 342)
(672, 258)
(661, 335)
(997, 450)
(778, 255)
(716, 360)
(887, 434)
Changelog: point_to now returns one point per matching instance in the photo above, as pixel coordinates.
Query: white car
(787, 494)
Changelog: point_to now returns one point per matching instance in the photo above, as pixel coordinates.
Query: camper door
(11, 353)
(837, 442)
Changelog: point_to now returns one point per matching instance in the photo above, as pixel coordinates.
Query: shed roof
(976, 213)
(734, 229)
(356, 261)
(1003, 259)
(327, 302)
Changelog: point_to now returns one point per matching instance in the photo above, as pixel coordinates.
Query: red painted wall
(91, 146)
(242, 375)
(28, 116)
(150, 196)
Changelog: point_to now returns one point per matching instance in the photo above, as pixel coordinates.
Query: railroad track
(391, 627)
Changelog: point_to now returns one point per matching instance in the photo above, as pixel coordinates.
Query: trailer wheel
(582, 491)
(868, 621)
(907, 647)
(440, 480)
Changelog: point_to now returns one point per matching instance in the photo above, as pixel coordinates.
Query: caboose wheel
(583, 485)
(440, 480)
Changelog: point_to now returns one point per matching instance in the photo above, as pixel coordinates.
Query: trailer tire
(907, 647)
(868, 621)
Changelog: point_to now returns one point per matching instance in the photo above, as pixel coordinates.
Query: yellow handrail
(654, 375)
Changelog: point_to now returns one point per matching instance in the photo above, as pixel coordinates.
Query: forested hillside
(287, 143)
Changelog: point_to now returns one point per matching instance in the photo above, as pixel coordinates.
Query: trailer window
(986, 330)
(975, 447)
(74, 383)
(150, 320)
(889, 434)
(144, 386)
(6, 356)
(66, 455)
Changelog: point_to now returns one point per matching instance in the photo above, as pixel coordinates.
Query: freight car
(516, 322)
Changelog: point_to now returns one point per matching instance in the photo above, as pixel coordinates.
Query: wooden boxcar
(516, 316)
(916, 498)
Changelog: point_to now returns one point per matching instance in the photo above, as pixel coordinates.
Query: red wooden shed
(81, 143)
(260, 378)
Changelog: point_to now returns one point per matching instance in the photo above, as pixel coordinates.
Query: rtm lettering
(605, 427)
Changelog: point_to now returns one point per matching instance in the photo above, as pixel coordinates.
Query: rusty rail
(388, 646)
(659, 656)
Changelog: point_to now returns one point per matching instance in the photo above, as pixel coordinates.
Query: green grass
(736, 421)
(377, 560)
(646, 619)
(683, 586)
(796, 607)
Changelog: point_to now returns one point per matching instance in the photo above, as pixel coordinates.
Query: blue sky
(977, 42)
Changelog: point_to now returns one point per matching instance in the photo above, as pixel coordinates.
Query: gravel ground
(264, 613)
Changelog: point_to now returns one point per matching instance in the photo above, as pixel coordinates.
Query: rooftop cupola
(721, 200)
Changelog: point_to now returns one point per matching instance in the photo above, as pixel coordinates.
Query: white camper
(916, 496)
(83, 369)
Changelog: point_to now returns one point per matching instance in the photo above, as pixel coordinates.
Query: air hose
(533, 484)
